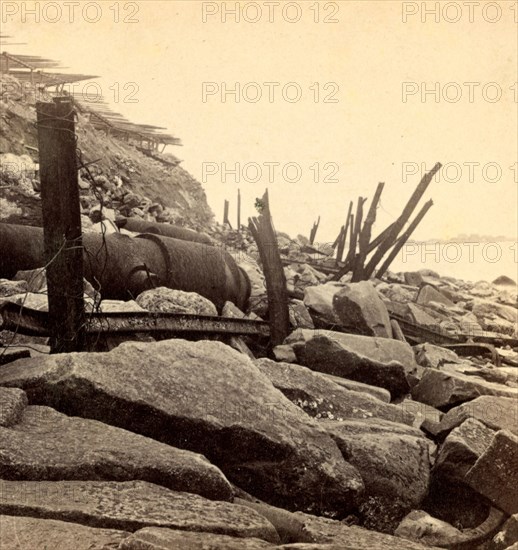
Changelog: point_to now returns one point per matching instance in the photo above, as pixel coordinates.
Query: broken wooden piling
(61, 224)
(263, 232)
(396, 227)
(313, 232)
(403, 239)
(365, 235)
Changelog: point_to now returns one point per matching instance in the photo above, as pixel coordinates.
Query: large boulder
(399, 294)
(423, 413)
(377, 392)
(258, 301)
(130, 506)
(498, 413)
(361, 310)
(422, 527)
(503, 280)
(432, 356)
(47, 445)
(461, 449)
(205, 397)
(444, 389)
(377, 361)
(507, 535)
(486, 311)
(320, 397)
(495, 473)
(319, 301)
(24, 533)
(299, 315)
(394, 462)
(428, 294)
(335, 535)
(420, 316)
(159, 538)
(168, 300)
(12, 404)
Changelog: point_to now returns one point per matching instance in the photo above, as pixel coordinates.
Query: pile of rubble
(355, 436)
(123, 177)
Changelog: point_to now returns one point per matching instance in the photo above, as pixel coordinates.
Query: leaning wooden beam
(61, 214)
(372, 246)
(338, 237)
(380, 238)
(339, 244)
(401, 221)
(262, 230)
(348, 258)
(365, 236)
(403, 239)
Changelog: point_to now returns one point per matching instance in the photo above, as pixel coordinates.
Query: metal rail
(35, 323)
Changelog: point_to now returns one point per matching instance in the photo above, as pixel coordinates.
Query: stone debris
(364, 416)
(168, 300)
(495, 473)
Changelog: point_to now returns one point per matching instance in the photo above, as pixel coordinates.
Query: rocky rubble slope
(123, 178)
(343, 441)
(350, 435)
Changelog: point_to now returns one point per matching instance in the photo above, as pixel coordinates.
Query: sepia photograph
(258, 275)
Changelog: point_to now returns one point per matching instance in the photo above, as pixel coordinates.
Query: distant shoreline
(466, 239)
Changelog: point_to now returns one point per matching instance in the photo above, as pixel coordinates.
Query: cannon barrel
(165, 229)
(121, 267)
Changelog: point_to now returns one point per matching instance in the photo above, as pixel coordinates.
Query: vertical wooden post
(225, 214)
(341, 244)
(239, 209)
(61, 224)
(263, 232)
(365, 236)
(313, 232)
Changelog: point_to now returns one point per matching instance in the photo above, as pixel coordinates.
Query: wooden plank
(225, 214)
(356, 231)
(341, 244)
(365, 236)
(313, 232)
(61, 224)
(263, 232)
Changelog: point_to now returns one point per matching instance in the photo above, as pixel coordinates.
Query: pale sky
(364, 60)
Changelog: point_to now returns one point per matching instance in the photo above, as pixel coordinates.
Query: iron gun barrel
(121, 267)
(165, 229)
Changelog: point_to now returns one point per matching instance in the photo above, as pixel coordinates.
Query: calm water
(468, 261)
